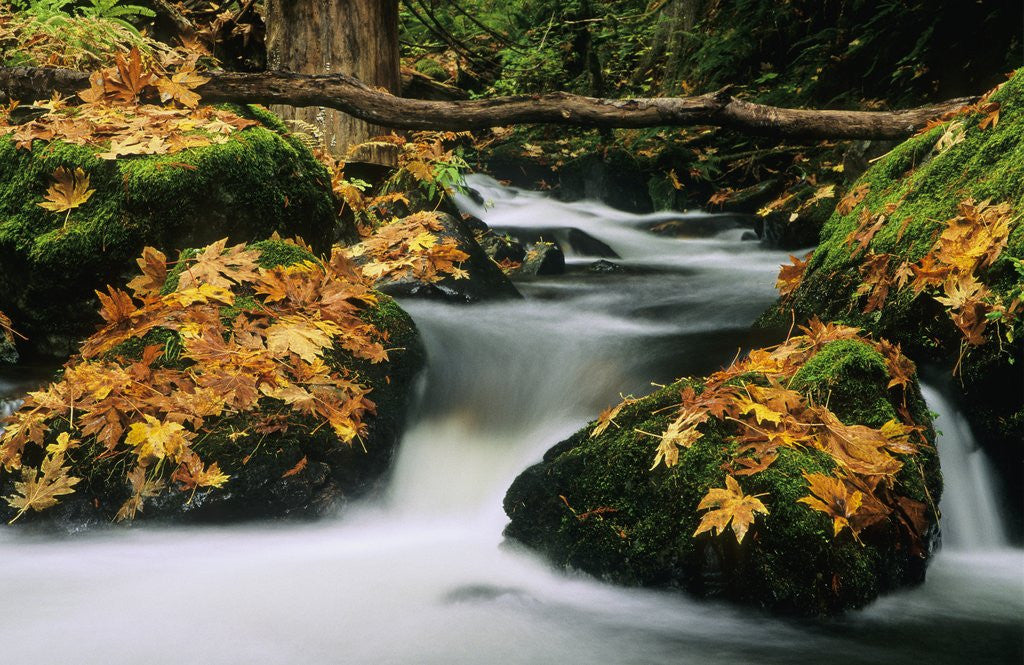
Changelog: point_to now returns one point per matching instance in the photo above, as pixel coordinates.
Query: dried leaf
(69, 190)
(39, 489)
(832, 497)
(729, 504)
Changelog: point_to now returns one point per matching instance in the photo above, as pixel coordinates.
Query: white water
(422, 575)
(971, 515)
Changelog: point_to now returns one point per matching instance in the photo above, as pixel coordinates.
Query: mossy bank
(907, 198)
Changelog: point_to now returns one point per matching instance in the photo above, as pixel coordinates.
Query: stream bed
(421, 575)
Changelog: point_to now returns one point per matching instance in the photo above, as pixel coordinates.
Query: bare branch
(351, 96)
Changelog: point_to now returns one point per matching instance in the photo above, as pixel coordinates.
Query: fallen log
(347, 94)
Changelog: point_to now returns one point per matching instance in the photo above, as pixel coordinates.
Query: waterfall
(971, 516)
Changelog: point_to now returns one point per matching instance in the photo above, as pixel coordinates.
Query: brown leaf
(297, 469)
(832, 497)
(69, 190)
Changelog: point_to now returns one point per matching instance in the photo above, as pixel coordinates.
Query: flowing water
(422, 575)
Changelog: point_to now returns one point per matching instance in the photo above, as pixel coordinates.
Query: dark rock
(587, 245)
(604, 267)
(614, 178)
(749, 199)
(701, 225)
(255, 184)
(543, 258)
(916, 189)
(501, 247)
(297, 468)
(798, 223)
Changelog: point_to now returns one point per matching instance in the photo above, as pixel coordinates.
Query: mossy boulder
(282, 461)
(256, 183)
(917, 187)
(595, 504)
(482, 279)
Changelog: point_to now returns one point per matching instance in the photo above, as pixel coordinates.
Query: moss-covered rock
(403, 271)
(595, 504)
(917, 187)
(256, 183)
(280, 460)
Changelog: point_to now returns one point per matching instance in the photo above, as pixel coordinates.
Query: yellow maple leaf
(155, 439)
(790, 276)
(423, 241)
(180, 87)
(304, 337)
(142, 489)
(729, 504)
(69, 190)
(64, 441)
(606, 418)
(39, 489)
(203, 293)
(192, 475)
(832, 497)
(761, 413)
(681, 433)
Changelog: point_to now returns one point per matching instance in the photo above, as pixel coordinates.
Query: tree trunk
(354, 37)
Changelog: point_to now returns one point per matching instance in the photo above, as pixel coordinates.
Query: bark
(358, 38)
(168, 11)
(353, 97)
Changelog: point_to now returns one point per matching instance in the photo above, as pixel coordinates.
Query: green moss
(278, 253)
(255, 184)
(850, 377)
(132, 349)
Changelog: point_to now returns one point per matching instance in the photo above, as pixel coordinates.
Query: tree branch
(351, 96)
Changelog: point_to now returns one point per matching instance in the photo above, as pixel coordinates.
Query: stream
(421, 575)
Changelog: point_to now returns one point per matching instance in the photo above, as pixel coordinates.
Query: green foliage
(70, 34)
(806, 51)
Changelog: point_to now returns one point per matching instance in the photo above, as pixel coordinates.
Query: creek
(421, 574)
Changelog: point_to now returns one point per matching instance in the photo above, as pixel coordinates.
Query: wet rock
(501, 247)
(749, 199)
(486, 281)
(902, 190)
(585, 244)
(604, 267)
(281, 462)
(613, 177)
(700, 225)
(797, 223)
(595, 504)
(543, 258)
